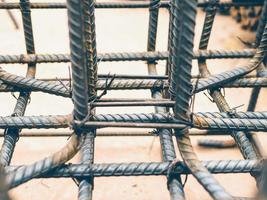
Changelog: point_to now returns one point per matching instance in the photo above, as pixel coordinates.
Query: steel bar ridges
(137, 4)
(146, 169)
(183, 24)
(261, 72)
(126, 56)
(12, 135)
(136, 120)
(193, 132)
(26, 173)
(61, 88)
(174, 184)
(87, 150)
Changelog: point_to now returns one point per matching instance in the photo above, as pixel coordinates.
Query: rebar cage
(172, 97)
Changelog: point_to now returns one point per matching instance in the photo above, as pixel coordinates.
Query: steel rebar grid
(79, 56)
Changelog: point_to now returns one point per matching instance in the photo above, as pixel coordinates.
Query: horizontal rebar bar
(153, 120)
(127, 133)
(147, 169)
(136, 4)
(125, 56)
(61, 88)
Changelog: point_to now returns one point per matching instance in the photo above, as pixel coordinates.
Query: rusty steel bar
(174, 185)
(103, 133)
(12, 135)
(61, 87)
(261, 72)
(136, 4)
(147, 169)
(26, 173)
(143, 120)
(125, 56)
(87, 150)
(183, 24)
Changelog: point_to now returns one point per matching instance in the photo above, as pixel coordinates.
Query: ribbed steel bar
(61, 87)
(174, 184)
(27, 172)
(153, 120)
(12, 135)
(125, 56)
(243, 115)
(240, 138)
(136, 4)
(147, 169)
(183, 24)
(87, 150)
(261, 72)
(82, 73)
(107, 133)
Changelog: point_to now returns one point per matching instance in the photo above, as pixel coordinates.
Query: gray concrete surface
(117, 31)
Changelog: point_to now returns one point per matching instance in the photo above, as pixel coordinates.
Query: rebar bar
(136, 4)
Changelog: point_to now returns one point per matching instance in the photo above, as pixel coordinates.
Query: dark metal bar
(125, 56)
(192, 132)
(61, 87)
(12, 135)
(261, 72)
(183, 24)
(87, 150)
(147, 169)
(174, 185)
(135, 120)
(136, 4)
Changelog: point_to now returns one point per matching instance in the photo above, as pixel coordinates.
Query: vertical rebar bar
(87, 150)
(12, 135)
(183, 24)
(168, 152)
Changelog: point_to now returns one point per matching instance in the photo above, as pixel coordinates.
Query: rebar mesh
(172, 95)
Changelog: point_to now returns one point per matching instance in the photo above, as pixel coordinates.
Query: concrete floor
(117, 31)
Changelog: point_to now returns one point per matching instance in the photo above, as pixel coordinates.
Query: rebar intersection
(173, 91)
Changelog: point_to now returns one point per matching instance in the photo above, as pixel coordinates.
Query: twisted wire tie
(78, 127)
(174, 168)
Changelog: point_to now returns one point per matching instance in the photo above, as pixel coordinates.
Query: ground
(117, 31)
